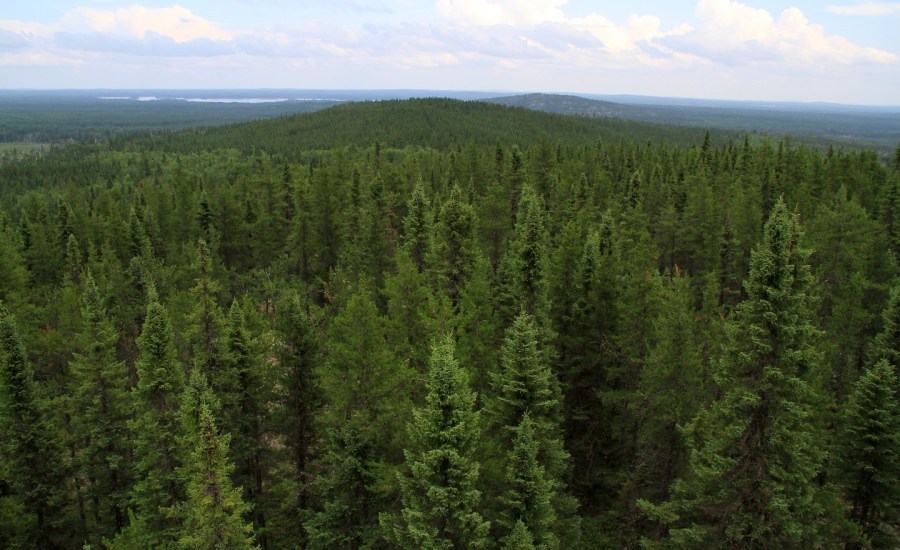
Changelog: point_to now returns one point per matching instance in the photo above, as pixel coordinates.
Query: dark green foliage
(455, 248)
(101, 407)
(154, 427)
(592, 284)
(440, 498)
(756, 450)
(870, 456)
(33, 469)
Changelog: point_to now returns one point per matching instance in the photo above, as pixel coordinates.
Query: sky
(843, 51)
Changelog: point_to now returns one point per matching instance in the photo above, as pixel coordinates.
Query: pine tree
(870, 456)
(755, 451)
(33, 455)
(100, 407)
(212, 513)
(440, 498)
(154, 428)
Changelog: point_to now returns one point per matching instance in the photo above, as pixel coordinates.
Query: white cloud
(866, 8)
(175, 22)
(502, 12)
(736, 34)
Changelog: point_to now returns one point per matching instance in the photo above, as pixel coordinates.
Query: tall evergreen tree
(33, 455)
(528, 499)
(245, 396)
(100, 408)
(154, 427)
(755, 451)
(212, 513)
(524, 386)
(440, 499)
(870, 457)
(455, 246)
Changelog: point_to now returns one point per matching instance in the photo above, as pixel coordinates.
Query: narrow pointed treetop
(440, 498)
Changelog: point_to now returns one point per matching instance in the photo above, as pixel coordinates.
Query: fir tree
(440, 499)
(755, 451)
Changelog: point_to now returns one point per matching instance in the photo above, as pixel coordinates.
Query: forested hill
(436, 123)
(817, 124)
(567, 105)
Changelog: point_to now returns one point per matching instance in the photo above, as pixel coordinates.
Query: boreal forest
(441, 324)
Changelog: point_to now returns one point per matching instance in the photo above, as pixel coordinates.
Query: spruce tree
(440, 499)
(154, 428)
(212, 513)
(33, 455)
(242, 386)
(528, 500)
(417, 227)
(206, 325)
(869, 451)
(299, 395)
(100, 408)
(887, 343)
(455, 246)
(756, 450)
(525, 385)
(348, 516)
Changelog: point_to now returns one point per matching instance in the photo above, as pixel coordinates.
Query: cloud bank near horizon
(474, 44)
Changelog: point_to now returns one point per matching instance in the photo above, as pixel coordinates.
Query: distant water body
(214, 99)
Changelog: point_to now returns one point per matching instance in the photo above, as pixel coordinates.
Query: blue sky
(845, 51)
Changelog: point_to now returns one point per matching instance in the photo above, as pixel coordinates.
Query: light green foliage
(212, 513)
(528, 499)
(440, 498)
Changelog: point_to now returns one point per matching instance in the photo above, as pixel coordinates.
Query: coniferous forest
(468, 327)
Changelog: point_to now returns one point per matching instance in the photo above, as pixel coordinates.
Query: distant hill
(566, 105)
(437, 123)
(816, 124)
